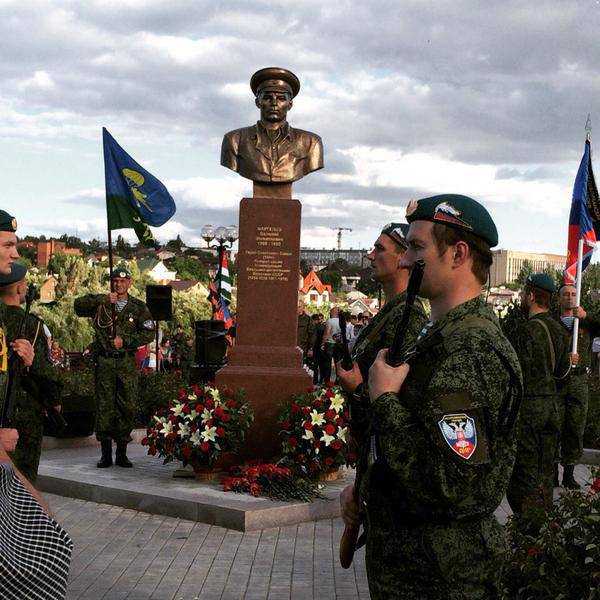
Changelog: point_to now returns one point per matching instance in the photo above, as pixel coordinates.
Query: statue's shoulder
(243, 132)
(306, 136)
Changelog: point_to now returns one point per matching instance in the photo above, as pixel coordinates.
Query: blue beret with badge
(18, 271)
(398, 232)
(454, 210)
(121, 271)
(542, 281)
(7, 222)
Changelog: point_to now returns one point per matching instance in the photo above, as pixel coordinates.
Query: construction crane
(339, 235)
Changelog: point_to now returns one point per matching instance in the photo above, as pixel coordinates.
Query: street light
(225, 238)
(208, 234)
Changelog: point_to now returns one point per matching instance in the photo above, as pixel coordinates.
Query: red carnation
(220, 431)
(219, 412)
(252, 472)
(595, 488)
(293, 442)
(209, 403)
(305, 410)
(308, 425)
(330, 414)
(145, 441)
(199, 408)
(317, 403)
(295, 408)
(330, 429)
(225, 418)
(181, 394)
(329, 393)
(329, 461)
(186, 409)
(230, 404)
(205, 446)
(336, 444)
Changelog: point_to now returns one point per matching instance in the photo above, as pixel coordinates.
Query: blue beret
(542, 281)
(7, 222)
(121, 271)
(398, 232)
(17, 273)
(454, 210)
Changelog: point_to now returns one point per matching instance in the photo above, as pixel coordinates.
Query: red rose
(330, 414)
(230, 404)
(293, 442)
(252, 472)
(329, 461)
(173, 419)
(330, 429)
(199, 408)
(317, 403)
(186, 451)
(336, 444)
(209, 423)
(220, 431)
(209, 403)
(195, 388)
(225, 418)
(351, 457)
(181, 394)
(308, 425)
(219, 412)
(533, 551)
(595, 488)
(205, 446)
(145, 441)
(285, 425)
(295, 408)
(329, 393)
(186, 409)
(305, 410)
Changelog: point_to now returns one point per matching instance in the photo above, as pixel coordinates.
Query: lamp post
(224, 237)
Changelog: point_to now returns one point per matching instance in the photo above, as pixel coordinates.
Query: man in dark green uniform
(385, 258)
(306, 333)
(39, 387)
(116, 375)
(543, 352)
(22, 347)
(574, 390)
(445, 440)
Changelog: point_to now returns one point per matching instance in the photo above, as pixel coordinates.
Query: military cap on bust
(542, 281)
(7, 222)
(275, 78)
(398, 232)
(456, 211)
(17, 273)
(121, 271)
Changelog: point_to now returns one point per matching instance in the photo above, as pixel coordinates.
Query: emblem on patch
(447, 213)
(459, 433)
(411, 207)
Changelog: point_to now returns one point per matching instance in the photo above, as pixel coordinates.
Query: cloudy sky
(411, 98)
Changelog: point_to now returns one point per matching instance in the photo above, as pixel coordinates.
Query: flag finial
(588, 128)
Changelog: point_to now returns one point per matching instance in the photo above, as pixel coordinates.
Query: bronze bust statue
(271, 151)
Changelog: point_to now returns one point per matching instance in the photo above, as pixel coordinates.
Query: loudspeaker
(210, 343)
(159, 299)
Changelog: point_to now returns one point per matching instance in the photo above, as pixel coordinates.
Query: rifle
(12, 362)
(346, 359)
(395, 357)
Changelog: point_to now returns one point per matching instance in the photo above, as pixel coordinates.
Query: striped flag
(584, 219)
(223, 280)
(220, 310)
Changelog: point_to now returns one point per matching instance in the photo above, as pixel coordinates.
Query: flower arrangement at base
(199, 426)
(315, 432)
(270, 480)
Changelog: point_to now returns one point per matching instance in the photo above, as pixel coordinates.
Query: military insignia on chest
(459, 433)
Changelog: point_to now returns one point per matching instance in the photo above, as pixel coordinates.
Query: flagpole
(577, 293)
(113, 312)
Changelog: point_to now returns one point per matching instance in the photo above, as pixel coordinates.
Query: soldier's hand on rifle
(383, 378)
(574, 357)
(112, 297)
(118, 342)
(349, 507)
(8, 439)
(349, 380)
(24, 350)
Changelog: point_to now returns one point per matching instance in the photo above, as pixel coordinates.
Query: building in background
(320, 258)
(314, 291)
(46, 250)
(507, 264)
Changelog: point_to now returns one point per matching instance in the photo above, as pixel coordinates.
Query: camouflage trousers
(29, 422)
(532, 478)
(573, 408)
(591, 437)
(116, 382)
(439, 562)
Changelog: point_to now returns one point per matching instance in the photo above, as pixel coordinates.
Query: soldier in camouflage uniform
(544, 356)
(39, 388)
(574, 390)
(21, 347)
(445, 441)
(306, 333)
(116, 376)
(385, 257)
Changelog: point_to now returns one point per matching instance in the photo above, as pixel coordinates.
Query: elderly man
(115, 343)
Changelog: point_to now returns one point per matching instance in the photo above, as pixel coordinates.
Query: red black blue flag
(584, 219)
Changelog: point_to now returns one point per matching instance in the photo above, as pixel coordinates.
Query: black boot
(556, 483)
(106, 460)
(568, 480)
(121, 459)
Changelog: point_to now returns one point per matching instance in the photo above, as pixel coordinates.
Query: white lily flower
(337, 403)
(308, 435)
(184, 431)
(317, 418)
(167, 428)
(327, 438)
(195, 438)
(193, 414)
(206, 415)
(341, 433)
(192, 397)
(177, 409)
(209, 434)
(214, 392)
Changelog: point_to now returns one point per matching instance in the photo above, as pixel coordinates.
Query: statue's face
(273, 106)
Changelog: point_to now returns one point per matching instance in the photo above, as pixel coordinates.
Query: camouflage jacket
(40, 382)
(448, 437)
(543, 353)
(589, 328)
(306, 332)
(134, 322)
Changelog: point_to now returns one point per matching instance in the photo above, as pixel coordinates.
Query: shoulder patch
(460, 433)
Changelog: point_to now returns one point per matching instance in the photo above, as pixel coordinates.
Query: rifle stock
(348, 545)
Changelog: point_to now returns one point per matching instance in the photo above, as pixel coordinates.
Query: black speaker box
(210, 343)
(159, 299)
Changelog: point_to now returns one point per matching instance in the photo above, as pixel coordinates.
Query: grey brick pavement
(122, 553)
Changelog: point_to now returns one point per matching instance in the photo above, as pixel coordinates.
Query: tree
(332, 278)
(367, 284)
(188, 268)
(175, 245)
(524, 273)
